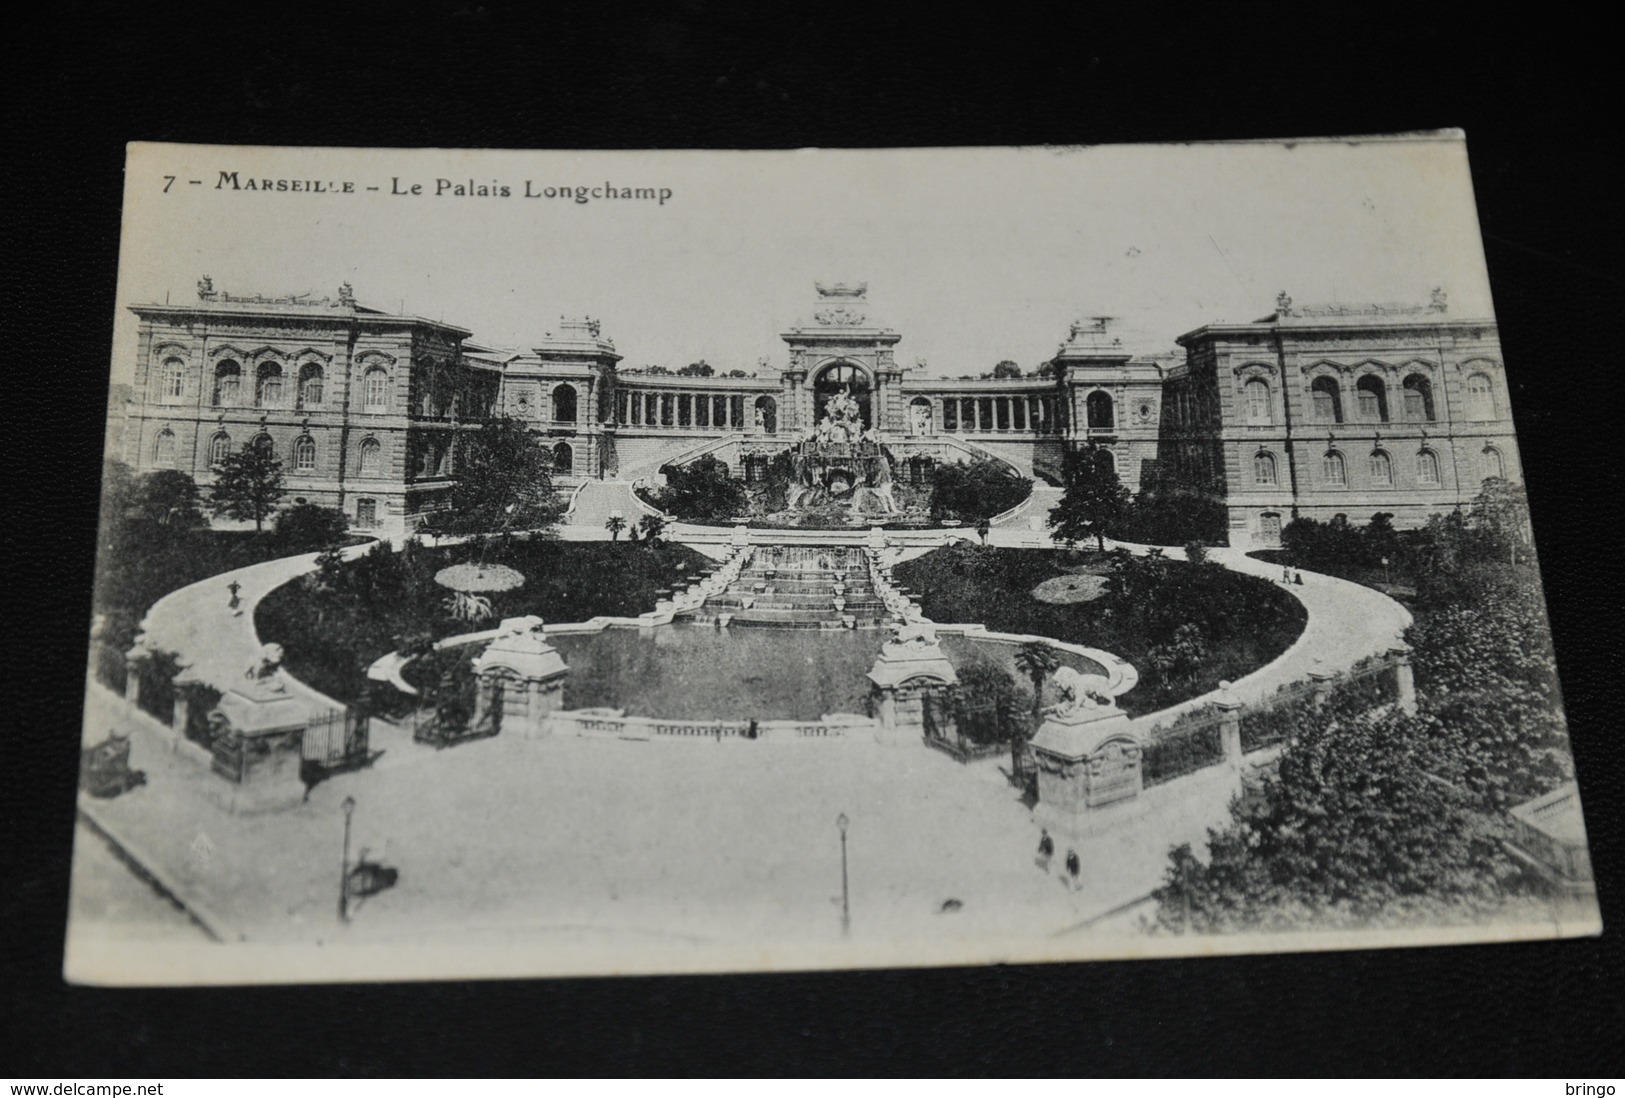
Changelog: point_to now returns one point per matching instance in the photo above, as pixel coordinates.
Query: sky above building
(973, 255)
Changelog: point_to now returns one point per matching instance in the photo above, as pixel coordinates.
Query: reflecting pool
(693, 671)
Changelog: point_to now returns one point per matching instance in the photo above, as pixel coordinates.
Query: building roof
(344, 307)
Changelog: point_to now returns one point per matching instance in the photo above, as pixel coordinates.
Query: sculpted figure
(1080, 691)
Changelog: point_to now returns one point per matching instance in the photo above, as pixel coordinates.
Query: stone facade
(1309, 411)
(1351, 410)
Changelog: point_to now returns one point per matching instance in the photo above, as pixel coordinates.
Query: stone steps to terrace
(787, 587)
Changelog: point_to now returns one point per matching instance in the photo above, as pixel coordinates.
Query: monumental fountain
(840, 461)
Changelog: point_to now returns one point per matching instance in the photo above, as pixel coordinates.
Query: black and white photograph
(531, 564)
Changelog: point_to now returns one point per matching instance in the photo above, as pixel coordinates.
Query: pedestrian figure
(1046, 849)
(235, 603)
(1286, 574)
(1073, 866)
(1297, 578)
(751, 734)
(981, 531)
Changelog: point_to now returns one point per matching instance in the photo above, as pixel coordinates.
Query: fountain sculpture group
(840, 460)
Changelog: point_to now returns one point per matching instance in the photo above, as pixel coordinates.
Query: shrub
(307, 526)
(976, 490)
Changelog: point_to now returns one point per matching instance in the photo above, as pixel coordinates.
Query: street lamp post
(846, 908)
(344, 865)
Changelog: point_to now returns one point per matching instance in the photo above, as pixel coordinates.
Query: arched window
(1257, 398)
(564, 459)
(163, 448)
(219, 448)
(304, 454)
(310, 385)
(1373, 397)
(372, 458)
(1494, 464)
(1382, 469)
(1105, 461)
(1099, 410)
(228, 381)
(262, 443)
(172, 381)
(268, 385)
(1427, 467)
(1333, 470)
(1418, 399)
(919, 416)
(375, 389)
(767, 414)
(1327, 400)
(564, 404)
(1480, 397)
(1264, 469)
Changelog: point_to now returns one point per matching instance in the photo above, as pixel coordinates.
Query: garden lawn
(1233, 624)
(334, 622)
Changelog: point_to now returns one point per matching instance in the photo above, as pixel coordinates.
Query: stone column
(133, 660)
(1229, 725)
(1320, 681)
(1405, 679)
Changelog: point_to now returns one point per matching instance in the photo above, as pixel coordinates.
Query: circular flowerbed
(479, 577)
(1072, 588)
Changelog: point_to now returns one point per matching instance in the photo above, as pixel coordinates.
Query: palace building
(1309, 411)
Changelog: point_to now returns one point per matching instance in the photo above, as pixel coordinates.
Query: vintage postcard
(561, 563)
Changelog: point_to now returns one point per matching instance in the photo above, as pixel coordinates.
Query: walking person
(236, 603)
(1073, 867)
(1046, 850)
(981, 531)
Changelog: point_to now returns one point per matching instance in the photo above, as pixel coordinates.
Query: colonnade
(1034, 413)
(715, 411)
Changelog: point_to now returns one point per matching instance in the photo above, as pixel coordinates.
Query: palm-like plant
(1037, 661)
(615, 525)
(471, 608)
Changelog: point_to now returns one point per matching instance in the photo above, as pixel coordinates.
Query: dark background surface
(1531, 92)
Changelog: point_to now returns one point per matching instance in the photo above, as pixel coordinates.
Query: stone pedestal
(258, 747)
(521, 679)
(910, 670)
(1088, 759)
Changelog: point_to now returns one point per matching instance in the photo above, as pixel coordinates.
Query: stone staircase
(800, 587)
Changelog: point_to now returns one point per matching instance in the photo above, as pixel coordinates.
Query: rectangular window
(950, 415)
(366, 512)
(1324, 408)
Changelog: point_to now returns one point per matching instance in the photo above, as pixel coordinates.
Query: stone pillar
(183, 707)
(1320, 681)
(133, 661)
(1229, 725)
(1405, 679)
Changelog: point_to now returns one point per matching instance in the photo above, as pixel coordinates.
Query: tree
(702, 491)
(167, 497)
(701, 368)
(1500, 513)
(615, 524)
(652, 526)
(737, 373)
(1045, 369)
(505, 481)
(1006, 368)
(248, 485)
(307, 526)
(1037, 661)
(1094, 499)
(975, 490)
